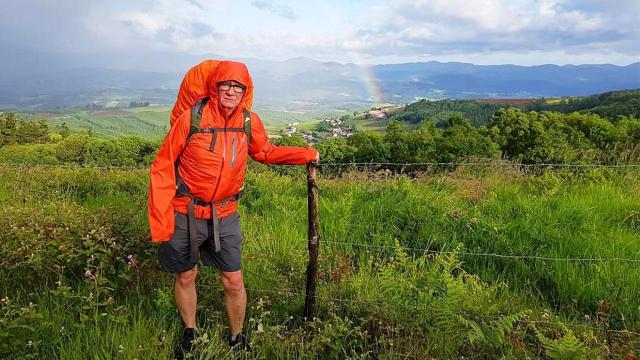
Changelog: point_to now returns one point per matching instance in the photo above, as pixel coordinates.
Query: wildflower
(130, 257)
(30, 343)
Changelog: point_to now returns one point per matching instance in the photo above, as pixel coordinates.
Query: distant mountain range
(40, 82)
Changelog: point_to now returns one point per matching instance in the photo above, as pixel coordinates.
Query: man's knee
(232, 282)
(187, 278)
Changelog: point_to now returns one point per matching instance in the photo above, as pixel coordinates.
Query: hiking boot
(186, 343)
(240, 342)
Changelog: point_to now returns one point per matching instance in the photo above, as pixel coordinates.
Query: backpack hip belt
(183, 191)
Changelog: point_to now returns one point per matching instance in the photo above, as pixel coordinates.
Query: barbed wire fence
(355, 165)
(416, 250)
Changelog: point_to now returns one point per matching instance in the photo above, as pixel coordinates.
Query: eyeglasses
(238, 89)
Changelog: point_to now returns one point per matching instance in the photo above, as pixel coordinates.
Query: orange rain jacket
(211, 175)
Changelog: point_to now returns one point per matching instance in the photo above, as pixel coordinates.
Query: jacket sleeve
(265, 152)
(162, 187)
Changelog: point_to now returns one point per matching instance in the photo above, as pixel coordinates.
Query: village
(332, 127)
(336, 127)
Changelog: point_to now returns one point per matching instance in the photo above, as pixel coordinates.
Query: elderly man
(196, 180)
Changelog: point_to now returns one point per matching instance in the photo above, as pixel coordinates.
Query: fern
(568, 347)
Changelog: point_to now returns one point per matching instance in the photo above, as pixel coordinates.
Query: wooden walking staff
(313, 244)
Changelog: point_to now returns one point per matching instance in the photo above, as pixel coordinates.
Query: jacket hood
(232, 70)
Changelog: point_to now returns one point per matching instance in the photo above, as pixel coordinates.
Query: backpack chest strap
(196, 117)
(213, 131)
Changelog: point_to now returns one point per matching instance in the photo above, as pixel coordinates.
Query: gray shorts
(175, 254)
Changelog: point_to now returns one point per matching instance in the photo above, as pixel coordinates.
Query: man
(196, 179)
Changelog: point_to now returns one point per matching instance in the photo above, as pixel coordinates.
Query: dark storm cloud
(47, 26)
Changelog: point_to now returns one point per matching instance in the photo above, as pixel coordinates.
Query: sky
(522, 32)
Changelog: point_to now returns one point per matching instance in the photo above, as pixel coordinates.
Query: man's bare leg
(235, 299)
(186, 296)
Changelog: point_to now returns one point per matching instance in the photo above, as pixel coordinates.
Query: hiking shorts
(175, 254)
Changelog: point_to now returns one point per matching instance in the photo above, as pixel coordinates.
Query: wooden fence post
(313, 243)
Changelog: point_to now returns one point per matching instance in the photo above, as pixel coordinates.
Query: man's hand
(316, 157)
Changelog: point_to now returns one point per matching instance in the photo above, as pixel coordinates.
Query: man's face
(230, 93)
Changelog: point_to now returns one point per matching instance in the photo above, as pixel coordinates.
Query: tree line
(512, 134)
(608, 105)
(32, 142)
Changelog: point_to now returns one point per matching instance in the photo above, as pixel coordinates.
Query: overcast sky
(524, 32)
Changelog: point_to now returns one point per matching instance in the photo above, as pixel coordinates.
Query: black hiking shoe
(241, 342)
(186, 343)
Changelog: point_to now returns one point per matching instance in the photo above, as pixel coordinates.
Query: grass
(376, 298)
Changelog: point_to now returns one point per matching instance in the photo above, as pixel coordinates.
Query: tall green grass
(67, 235)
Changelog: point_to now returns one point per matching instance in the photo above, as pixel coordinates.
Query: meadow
(475, 262)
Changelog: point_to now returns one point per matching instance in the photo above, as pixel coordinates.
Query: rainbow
(370, 81)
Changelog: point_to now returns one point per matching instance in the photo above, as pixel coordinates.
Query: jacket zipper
(233, 156)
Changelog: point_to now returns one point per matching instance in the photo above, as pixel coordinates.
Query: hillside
(440, 111)
(152, 122)
(303, 84)
(608, 105)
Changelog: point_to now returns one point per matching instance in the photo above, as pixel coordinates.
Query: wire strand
(351, 164)
(529, 257)
(490, 164)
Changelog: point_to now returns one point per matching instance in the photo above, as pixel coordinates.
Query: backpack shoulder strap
(196, 116)
(247, 124)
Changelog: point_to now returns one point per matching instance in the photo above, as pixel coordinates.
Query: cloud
(196, 4)
(400, 30)
(437, 27)
(200, 29)
(281, 10)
